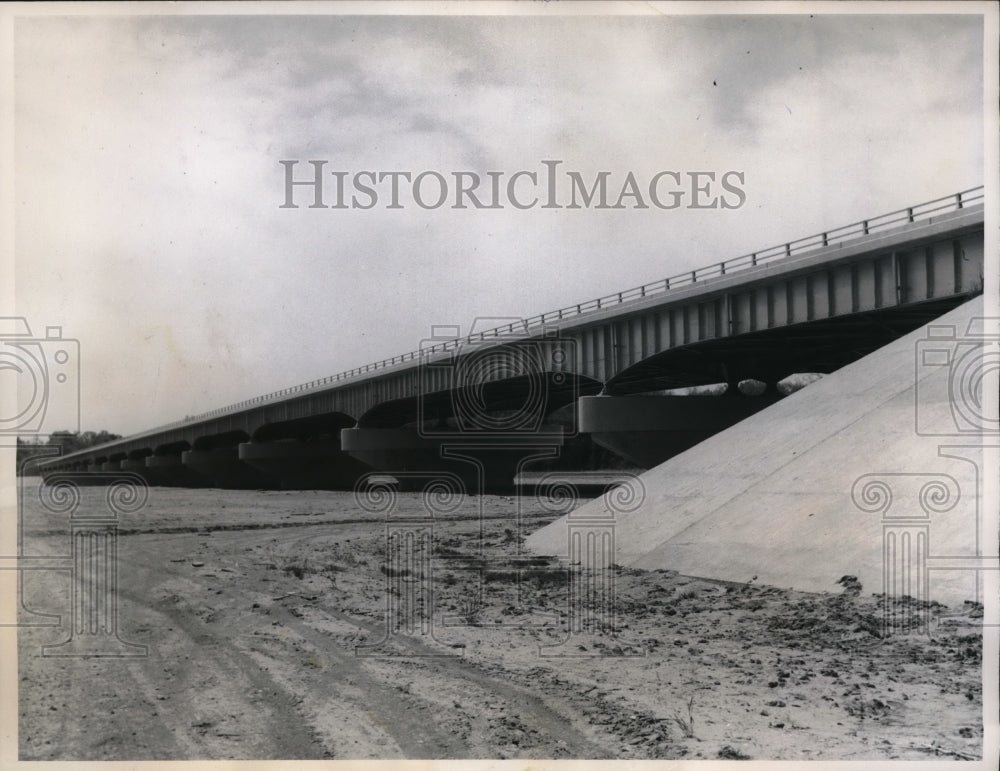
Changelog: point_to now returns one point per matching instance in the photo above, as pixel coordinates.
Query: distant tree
(29, 451)
(69, 441)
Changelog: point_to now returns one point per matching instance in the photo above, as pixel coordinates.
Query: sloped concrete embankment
(771, 497)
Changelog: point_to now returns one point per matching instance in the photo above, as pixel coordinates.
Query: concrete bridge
(485, 405)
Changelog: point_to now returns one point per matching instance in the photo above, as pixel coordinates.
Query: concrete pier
(223, 468)
(137, 465)
(483, 463)
(297, 465)
(170, 471)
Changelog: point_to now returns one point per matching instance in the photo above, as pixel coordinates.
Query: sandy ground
(265, 615)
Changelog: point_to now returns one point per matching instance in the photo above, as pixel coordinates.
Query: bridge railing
(910, 214)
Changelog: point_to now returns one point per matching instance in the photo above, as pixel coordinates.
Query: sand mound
(771, 497)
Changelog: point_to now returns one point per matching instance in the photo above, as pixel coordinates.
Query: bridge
(487, 405)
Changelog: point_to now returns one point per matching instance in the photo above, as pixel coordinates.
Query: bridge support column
(91, 474)
(483, 463)
(647, 429)
(138, 465)
(318, 465)
(169, 471)
(223, 468)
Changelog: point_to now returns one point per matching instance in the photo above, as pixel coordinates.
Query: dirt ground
(265, 620)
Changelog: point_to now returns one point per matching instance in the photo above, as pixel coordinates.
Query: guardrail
(861, 228)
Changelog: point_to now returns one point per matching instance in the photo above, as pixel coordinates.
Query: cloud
(148, 183)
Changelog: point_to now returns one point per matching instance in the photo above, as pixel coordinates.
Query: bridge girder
(812, 312)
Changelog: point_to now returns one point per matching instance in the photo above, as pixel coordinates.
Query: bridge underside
(515, 403)
(506, 422)
(478, 463)
(292, 464)
(480, 434)
(647, 430)
(770, 355)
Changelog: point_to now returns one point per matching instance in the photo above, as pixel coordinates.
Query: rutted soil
(268, 638)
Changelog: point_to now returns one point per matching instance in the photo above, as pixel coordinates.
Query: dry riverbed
(264, 615)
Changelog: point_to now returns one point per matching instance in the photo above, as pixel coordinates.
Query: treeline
(31, 451)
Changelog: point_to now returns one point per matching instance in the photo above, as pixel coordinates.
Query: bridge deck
(918, 256)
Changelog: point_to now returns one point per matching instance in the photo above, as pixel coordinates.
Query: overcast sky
(148, 183)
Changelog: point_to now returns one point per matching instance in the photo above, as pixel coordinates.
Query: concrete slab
(771, 497)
